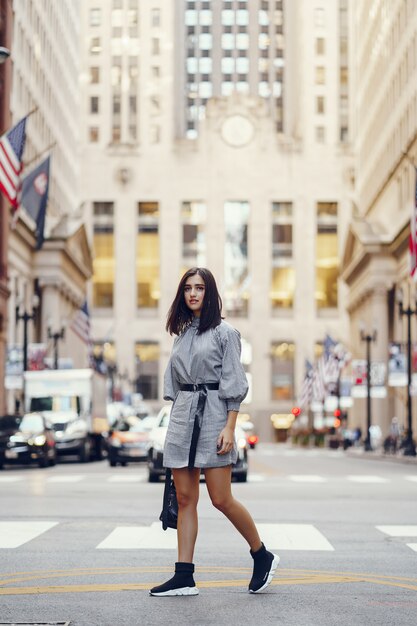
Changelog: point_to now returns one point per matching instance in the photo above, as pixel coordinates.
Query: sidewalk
(378, 455)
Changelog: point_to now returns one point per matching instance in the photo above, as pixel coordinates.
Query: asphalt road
(81, 543)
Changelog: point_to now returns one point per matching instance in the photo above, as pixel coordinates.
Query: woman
(207, 383)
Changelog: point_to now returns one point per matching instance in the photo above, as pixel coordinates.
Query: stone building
(384, 135)
(216, 133)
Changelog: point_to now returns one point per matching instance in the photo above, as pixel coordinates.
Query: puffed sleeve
(171, 386)
(233, 386)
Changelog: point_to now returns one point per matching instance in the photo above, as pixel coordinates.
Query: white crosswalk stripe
(73, 478)
(356, 478)
(10, 479)
(140, 538)
(412, 479)
(127, 478)
(14, 534)
(293, 537)
(401, 530)
(307, 478)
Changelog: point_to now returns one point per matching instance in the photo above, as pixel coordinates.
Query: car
(156, 448)
(27, 439)
(127, 441)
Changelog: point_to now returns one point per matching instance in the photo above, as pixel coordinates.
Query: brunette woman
(206, 382)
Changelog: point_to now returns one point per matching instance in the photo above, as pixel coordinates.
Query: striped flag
(307, 386)
(81, 324)
(413, 234)
(12, 145)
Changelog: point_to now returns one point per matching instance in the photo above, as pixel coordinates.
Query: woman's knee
(222, 502)
(186, 499)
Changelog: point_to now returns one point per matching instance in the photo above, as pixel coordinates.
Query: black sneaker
(181, 584)
(264, 566)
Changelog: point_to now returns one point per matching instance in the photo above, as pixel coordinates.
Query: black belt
(202, 397)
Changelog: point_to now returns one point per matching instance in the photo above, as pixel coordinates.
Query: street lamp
(26, 317)
(56, 337)
(369, 338)
(409, 445)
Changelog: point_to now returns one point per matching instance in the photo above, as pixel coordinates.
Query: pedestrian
(206, 382)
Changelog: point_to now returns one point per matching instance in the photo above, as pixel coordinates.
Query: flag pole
(39, 154)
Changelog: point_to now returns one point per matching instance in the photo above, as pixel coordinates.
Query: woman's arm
(226, 439)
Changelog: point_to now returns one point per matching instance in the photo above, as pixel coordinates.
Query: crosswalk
(253, 477)
(280, 537)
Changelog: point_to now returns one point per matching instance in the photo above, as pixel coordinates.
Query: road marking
(413, 546)
(14, 534)
(293, 537)
(140, 538)
(367, 479)
(73, 478)
(287, 577)
(412, 479)
(307, 478)
(10, 479)
(256, 478)
(127, 478)
(399, 530)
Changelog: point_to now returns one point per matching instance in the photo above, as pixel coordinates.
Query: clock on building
(237, 130)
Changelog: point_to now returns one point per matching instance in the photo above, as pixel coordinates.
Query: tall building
(49, 282)
(215, 133)
(384, 135)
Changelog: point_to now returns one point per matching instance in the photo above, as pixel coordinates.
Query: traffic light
(296, 411)
(337, 413)
(337, 421)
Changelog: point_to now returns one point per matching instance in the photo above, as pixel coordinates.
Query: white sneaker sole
(181, 591)
(271, 574)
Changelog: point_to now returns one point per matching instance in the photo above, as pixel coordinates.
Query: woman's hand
(226, 440)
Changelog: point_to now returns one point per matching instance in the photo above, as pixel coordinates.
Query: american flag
(12, 145)
(307, 387)
(413, 235)
(81, 324)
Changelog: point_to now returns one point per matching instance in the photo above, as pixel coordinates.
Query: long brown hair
(180, 316)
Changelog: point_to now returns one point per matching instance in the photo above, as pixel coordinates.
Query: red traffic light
(337, 412)
(296, 411)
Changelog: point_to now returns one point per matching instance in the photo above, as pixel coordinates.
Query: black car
(27, 439)
(156, 448)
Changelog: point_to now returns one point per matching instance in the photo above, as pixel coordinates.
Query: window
(116, 104)
(320, 134)
(103, 254)
(282, 370)
(283, 273)
(320, 75)
(236, 268)
(95, 45)
(155, 18)
(155, 46)
(147, 367)
(94, 104)
(320, 45)
(155, 133)
(327, 256)
(147, 255)
(320, 104)
(94, 134)
(319, 17)
(95, 17)
(94, 75)
(193, 215)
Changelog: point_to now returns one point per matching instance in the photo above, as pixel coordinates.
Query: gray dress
(213, 356)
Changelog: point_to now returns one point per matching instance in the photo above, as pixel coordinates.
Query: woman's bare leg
(187, 484)
(218, 481)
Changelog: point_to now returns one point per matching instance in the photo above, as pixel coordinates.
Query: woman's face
(194, 290)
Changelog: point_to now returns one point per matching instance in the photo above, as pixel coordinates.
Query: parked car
(128, 441)
(156, 448)
(27, 439)
(249, 428)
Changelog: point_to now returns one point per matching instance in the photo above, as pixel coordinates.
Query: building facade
(48, 283)
(384, 135)
(215, 134)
